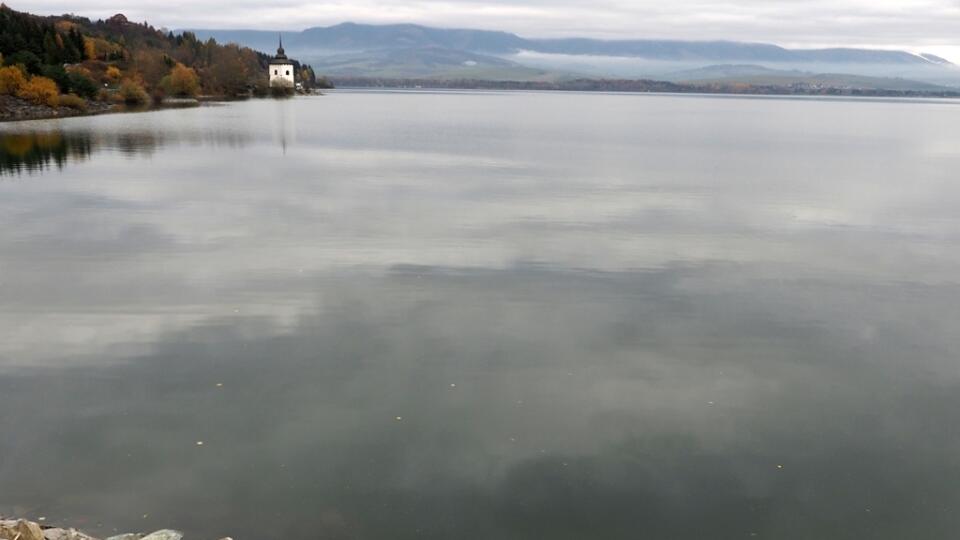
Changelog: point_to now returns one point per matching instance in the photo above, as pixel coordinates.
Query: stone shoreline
(15, 109)
(21, 529)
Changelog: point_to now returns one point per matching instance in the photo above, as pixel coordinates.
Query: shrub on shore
(261, 89)
(38, 90)
(41, 91)
(73, 101)
(281, 91)
(11, 80)
(132, 93)
(181, 82)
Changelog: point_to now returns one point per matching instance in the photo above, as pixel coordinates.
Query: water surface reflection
(30, 150)
(35, 151)
(440, 320)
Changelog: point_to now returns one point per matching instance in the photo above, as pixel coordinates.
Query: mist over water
(687, 69)
(485, 315)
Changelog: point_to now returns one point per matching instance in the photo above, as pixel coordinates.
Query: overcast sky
(916, 25)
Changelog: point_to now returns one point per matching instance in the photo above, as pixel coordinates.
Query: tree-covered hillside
(120, 60)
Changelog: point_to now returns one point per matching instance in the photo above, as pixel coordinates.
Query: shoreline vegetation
(22, 529)
(16, 109)
(59, 66)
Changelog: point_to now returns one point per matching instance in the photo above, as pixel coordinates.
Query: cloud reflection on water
(643, 324)
(677, 432)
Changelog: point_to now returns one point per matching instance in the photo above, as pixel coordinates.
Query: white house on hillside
(281, 70)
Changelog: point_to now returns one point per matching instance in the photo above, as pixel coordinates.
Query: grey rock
(65, 534)
(21, 530)
(56, 534)
(164, 534)
(128, 536)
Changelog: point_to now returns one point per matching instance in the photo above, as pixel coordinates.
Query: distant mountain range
(407, 50)
(362, 37)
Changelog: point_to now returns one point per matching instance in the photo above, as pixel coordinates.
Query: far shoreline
(29, 112)
(798, 97)
(631, 86)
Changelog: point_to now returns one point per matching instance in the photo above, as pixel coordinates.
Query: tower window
(288, 72)
(275, 72)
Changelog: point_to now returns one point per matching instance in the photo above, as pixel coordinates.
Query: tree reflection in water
(39, 150)
(36, 151)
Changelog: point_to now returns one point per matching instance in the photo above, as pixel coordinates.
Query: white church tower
(281, 70)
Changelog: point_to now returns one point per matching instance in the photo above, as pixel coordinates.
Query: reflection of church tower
(281, 69)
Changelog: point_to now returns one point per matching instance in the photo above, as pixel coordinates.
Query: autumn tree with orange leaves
(182, 81)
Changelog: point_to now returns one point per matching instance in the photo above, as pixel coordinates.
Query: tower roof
(281, 54)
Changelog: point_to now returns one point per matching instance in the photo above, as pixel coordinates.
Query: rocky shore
(13, 108)
(21, 529)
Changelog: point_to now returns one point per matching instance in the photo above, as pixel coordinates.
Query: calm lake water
(485, 316)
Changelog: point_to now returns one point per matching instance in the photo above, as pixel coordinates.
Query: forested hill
(116, 59)
(413, 51)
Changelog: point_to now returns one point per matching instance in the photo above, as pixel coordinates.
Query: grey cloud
(930, 23)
